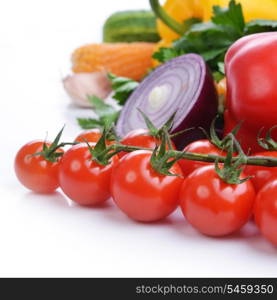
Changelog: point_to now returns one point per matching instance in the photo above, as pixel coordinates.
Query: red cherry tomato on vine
(35, 172)
(82, 179)
(266, 211)
(262, 175)
(142, 193)
(140, 138)
(91, 136)
(202, 147)
(214, 207)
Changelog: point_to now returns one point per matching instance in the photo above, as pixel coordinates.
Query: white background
(48, 235)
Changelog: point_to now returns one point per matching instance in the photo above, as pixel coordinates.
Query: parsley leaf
(212, 39)
(89, 123)
(107, 115)
(221, 67)
(123, 87)
(231, 19)
(166, 54)
(191, 21)
(218, 76)
(257, 26)
(101, 108)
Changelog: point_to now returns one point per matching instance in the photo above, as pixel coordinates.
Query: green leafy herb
(123, 87)
(258, 26)
(221, 67)
(218, 76)
(100, 107)
(166, 54)
(107, 115)
(212, 39)
(191, 21)
(231, 19)
(89, 123)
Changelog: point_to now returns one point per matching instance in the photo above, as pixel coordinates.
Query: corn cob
(130, 60)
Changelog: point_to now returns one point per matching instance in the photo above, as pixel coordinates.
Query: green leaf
(100, 107)
(209, 39)
(105, 121)
(108, 120)
(218, 76)
(231, 19)
(166, 54)
(107, 115)
(258, 26)
(191, 21)
(205, 39)
(89, 123)
(212, 39)
(212, 54)
(221, 67)
(123, 87)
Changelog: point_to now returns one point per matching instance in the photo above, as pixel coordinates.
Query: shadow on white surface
(249, 235)
(56, 199)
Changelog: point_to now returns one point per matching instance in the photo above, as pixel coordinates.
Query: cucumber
(131, 26)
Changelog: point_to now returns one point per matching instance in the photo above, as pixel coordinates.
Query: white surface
(47, 235)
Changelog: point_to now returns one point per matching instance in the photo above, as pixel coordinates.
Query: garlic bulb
(80, 85)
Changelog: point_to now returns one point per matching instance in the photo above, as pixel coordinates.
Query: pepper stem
(166, 19)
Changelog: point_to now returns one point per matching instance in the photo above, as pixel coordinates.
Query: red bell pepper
(251, 71)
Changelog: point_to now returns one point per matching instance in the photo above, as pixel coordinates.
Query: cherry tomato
(82, 179)
(202, 147)
(214, 207)
(91, 136)
(142, 193)
(266, 211)
(262, 175)
(35, 172)
(140, 138)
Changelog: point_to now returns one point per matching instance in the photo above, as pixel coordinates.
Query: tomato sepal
(221, 144)
(267, 143)
(160, 156)
(231, 171)
(51, 153)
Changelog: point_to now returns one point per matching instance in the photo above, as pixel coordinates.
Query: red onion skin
(201, 115)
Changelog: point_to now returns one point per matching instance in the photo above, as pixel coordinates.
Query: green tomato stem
(61, 146)
(250, 160)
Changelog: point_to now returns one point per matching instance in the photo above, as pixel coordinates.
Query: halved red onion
(183, 85)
